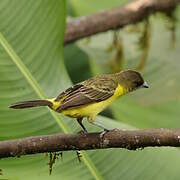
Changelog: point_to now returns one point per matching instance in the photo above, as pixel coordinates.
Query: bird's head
(131, 80)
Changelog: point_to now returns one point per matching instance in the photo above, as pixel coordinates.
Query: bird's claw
(103, 133)
(106, 130)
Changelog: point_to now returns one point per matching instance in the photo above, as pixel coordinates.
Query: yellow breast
(93, 109)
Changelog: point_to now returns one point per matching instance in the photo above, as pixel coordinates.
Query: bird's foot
(104, 132)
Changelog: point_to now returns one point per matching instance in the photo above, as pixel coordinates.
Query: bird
(88, 98)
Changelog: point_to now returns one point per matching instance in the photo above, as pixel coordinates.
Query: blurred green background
(34, 64)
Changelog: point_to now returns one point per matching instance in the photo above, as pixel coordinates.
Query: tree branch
(129, 139)
(130, 13)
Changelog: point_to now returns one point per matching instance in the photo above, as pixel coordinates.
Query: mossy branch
(128, 139)
(130, 13)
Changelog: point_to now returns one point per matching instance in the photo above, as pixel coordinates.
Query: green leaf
(28, 72)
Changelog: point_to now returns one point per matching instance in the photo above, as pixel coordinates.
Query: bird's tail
(30, 104)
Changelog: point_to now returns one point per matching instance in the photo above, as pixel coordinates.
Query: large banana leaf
(31, 66)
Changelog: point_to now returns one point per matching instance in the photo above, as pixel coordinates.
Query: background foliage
(33, 64)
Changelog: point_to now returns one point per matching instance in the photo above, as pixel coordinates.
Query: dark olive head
(131, 80)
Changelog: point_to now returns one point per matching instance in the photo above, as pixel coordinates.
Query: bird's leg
(91, 120)
(100, 126)
(79, 120)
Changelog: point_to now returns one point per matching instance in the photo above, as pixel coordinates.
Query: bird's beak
(145, 85)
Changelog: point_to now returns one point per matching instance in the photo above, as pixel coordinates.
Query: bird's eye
(137, 84)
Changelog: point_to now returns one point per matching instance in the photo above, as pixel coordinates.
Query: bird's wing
(68, 91)
(90, 91)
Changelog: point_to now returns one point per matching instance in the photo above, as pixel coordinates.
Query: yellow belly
(93, 109)
(87, 110)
